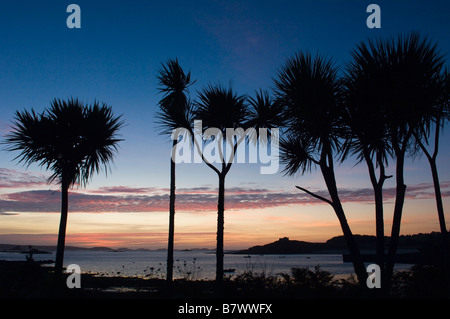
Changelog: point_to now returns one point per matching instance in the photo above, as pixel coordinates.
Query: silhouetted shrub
(312, 279)
(307, 283)
(422, 281)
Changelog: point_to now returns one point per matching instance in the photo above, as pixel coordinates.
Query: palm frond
(72, 140)
(309, 90)
(368, 132)
(30, 134)
(296, 155)
(172, 78)
(221, 108)
(170, 119)
(403, 76)
(175, 106)
(100, 142)
(265, 113)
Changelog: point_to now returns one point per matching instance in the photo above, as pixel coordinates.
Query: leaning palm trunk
(353, 248)
(438, 195)
(358, 264)
(335, 203)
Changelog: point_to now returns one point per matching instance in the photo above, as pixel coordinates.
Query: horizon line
(118, 248)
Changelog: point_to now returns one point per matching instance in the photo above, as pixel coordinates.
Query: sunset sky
(114, 58)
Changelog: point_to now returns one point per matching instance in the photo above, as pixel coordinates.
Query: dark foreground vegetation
(30, 280)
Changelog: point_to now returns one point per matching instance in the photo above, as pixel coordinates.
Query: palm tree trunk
(437, 187)
(377, 185)
(380, 242)
(440, 210)
(358, 264)
(434, 172)
(379, 222)
(438, 195)
(220, 231)
(398, 209)
(62, 226)
(170, 245)
(353, 248)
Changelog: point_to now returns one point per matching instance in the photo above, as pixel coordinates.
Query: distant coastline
(42, 249)
(335, 245)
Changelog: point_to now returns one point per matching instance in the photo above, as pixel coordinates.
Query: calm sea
(194, 264)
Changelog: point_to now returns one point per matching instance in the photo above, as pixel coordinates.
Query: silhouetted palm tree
(405, 75)
(175, 112)
(440, 118)
(368, 135)
(220, 109)
(309, 90)
(72, 140)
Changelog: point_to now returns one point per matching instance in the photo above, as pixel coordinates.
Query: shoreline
(31, 280)
(196, 264)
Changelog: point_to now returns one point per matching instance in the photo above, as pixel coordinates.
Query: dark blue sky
(115, 55)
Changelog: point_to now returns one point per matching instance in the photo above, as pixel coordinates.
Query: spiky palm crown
(402, 78)
(175, 107)
(72, 140)
(309, 91)
(221, 108)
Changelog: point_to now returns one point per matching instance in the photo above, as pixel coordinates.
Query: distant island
(38, 249)
(338, 245)
(283, 246)
(41, 249)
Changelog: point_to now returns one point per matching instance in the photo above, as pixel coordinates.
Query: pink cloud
(197, 199)
(126, 189)
(156, 199)
(10, 178)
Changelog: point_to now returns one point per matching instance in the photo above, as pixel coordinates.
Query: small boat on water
(229, 270)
